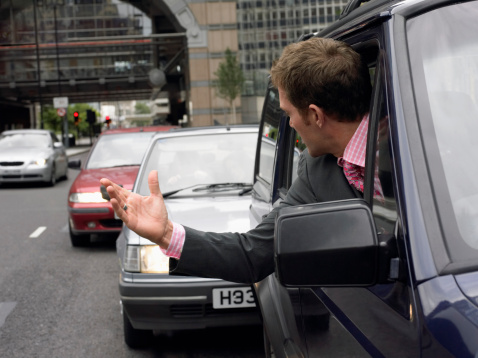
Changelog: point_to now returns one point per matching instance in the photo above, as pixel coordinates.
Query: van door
(276, 166)
(379, 318)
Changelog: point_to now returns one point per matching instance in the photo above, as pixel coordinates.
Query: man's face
(303, 124)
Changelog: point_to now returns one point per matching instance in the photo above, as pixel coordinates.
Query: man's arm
(239, 257)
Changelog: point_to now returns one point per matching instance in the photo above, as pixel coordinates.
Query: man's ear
(317, 114)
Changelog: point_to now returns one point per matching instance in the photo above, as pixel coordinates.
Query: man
(325, 90)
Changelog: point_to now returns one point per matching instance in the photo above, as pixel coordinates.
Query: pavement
(82, 145)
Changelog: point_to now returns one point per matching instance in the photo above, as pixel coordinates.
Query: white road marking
(5, 309)
(38, 232)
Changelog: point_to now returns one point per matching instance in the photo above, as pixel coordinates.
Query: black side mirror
(104, 193)
(74, 164)
(327, 244)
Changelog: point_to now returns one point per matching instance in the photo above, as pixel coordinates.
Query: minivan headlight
(145, 259)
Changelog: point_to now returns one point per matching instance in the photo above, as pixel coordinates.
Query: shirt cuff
(177, 242)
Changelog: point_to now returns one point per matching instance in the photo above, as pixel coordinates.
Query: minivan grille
(204, 310)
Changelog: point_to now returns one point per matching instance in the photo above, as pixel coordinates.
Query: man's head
(327, 73)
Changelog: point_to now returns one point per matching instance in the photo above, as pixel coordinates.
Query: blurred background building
(265, 28)
(163, 53)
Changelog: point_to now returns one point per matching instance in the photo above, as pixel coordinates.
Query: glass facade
(68, 40)
(266, 27)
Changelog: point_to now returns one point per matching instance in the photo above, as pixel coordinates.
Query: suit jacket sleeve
(249, 257)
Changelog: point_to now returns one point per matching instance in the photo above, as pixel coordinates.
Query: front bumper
(25, 174)
(178, 304)
(95, 219)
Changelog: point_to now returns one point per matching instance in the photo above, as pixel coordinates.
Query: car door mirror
(326, 244)
(74, 164)
(57, 145)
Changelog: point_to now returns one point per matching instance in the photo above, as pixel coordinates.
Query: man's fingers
(153, 183)
(119, 210)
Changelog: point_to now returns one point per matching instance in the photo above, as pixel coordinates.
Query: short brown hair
(327, 73)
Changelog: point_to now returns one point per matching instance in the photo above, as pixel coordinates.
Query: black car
(402, 281)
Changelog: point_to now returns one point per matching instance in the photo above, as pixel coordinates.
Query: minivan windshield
(200, 160)
(443, 49)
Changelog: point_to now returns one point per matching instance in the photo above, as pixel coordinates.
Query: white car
(32, 155)
(205, 175)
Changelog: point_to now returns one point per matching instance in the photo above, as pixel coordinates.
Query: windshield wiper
(246, 187)
(224, 187)
(172, 192)
(125, 165)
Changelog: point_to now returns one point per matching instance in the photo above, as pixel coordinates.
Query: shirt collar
(354, 152)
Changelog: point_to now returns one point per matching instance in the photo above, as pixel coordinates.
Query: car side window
(269, 136)
(384, 204)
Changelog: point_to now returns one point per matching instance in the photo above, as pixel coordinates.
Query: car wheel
(268, 350)
(78, 240)
(135, 338)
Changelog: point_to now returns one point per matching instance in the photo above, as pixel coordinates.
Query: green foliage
(142, 108)
(52, 121)
(230, 78)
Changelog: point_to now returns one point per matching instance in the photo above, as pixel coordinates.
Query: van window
(445, 76)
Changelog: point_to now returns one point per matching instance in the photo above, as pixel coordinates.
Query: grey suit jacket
(249, 257)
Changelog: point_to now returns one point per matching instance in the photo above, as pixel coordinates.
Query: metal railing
(88, 58)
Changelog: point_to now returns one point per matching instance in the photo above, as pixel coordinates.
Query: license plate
(234, 297)
(12, 172)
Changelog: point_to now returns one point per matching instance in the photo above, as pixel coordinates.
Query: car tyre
(78, 240)
(135, 338)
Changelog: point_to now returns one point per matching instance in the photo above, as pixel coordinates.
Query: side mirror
(74, 164)
(326, 244)
(104, 193)
(57, 145)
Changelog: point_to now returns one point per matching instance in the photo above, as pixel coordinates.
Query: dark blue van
(403, 280)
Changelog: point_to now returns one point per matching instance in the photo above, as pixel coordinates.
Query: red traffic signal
(76, 118)
(107, 118)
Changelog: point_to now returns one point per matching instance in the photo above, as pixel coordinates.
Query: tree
(230, 80)
(141, 108)
(53, 122)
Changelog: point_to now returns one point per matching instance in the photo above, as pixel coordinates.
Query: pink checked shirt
(353, 162)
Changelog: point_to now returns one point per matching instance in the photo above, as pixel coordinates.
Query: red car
(117, 154)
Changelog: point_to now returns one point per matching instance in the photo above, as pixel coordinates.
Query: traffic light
(77, 118)
(90, 116)
(108, 121)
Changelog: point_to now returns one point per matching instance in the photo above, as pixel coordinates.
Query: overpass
(112, 50)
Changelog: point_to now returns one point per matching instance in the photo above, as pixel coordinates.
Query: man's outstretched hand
(145, 215)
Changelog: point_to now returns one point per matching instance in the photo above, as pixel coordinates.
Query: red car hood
(88, 181)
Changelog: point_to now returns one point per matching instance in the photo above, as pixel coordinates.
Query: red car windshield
(118, 150)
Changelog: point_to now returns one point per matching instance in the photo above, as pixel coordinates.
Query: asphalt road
(60, 301)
